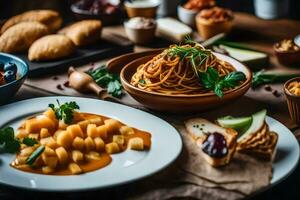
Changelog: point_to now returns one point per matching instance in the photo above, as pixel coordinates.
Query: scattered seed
(268, 88)
(55, 78)
(276, 93)
(59, 87)
(66, 84)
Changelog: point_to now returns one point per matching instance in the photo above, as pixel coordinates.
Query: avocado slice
(249, 57)
(240, 124)
(258, 120)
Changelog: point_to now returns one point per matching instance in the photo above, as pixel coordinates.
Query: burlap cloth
(191, 177)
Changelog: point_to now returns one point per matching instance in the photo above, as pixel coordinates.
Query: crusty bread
(199, 129)
(261, 144)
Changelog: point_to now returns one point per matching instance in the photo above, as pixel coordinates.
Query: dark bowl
(7, 91)
(106, 19)
(183, 103)
(287, 57)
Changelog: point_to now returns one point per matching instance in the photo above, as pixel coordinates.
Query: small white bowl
(187, 16)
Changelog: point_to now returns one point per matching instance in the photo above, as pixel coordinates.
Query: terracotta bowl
(293, 101)
(182, 103)
(208, 29)
(287, 57)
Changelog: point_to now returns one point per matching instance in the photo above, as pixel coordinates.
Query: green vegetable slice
(32, 158)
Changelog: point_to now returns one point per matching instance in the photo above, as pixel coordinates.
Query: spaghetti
(176, 70)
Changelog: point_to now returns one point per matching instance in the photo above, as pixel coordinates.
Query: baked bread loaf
(19, 37)
(51, 47)
(218, 144)
(83, 32)
(50, 18)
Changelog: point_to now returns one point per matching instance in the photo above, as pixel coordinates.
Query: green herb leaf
(213, 81)
(142, 81)
(65, 111)
(12, 146)
(107, 80)
(263, 77)
(29, 141)
(7, 140)
(32, 158)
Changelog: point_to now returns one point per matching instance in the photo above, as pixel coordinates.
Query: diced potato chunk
(78, 143)
(62, 155)
(92, 131)
(119, 139)
(83, 125)
(49, 152)
(21, 133)
(112, 148)
(102, 131)
(89, 144)
(77, 156)
(34, 125)
(50, 161)
(99, 143)
(74, 168)
(27, 151)
(50, 114)
(62, 125)
(59, 131)
(92, 155)
(112, 126)
(126, 130)
(65, 139)
(44, 133)
(49, 142)
(47, 170)
(77, 116)
(75, 131)
(21, 160)
(34, 136)
(136, 143)
(96, 120)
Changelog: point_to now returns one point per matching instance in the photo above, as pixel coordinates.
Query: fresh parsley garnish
(10, 144)
(195, 55)
(107, 80)
(29, 141)
(32, 158)
(65, 111)
(213, 81)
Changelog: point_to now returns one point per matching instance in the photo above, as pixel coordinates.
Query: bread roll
(19, 37)
(50, 18)
(83, 32)
(51, 47)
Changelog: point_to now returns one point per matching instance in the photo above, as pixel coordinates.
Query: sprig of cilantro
(65, 111)
(10, 144)
(107, 80)
(213, 81)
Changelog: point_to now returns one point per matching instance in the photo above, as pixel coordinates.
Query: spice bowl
(293, 100)
(147, 8)
(140, 30)
(187, 16)
(287, 54)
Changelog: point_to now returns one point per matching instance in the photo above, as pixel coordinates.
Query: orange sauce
(91, 165)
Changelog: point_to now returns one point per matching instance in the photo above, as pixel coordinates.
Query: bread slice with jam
(217, 144)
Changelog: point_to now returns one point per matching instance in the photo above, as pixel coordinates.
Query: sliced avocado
(240, 124)
(258, 120)
(248, 57)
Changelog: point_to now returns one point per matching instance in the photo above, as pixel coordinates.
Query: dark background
(12, 7)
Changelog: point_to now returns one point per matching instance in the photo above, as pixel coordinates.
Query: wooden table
(258, 34)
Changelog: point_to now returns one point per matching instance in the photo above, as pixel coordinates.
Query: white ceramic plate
(125, 167)
(287, 151)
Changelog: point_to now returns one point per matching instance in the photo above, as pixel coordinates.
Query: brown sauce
(91, 165)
